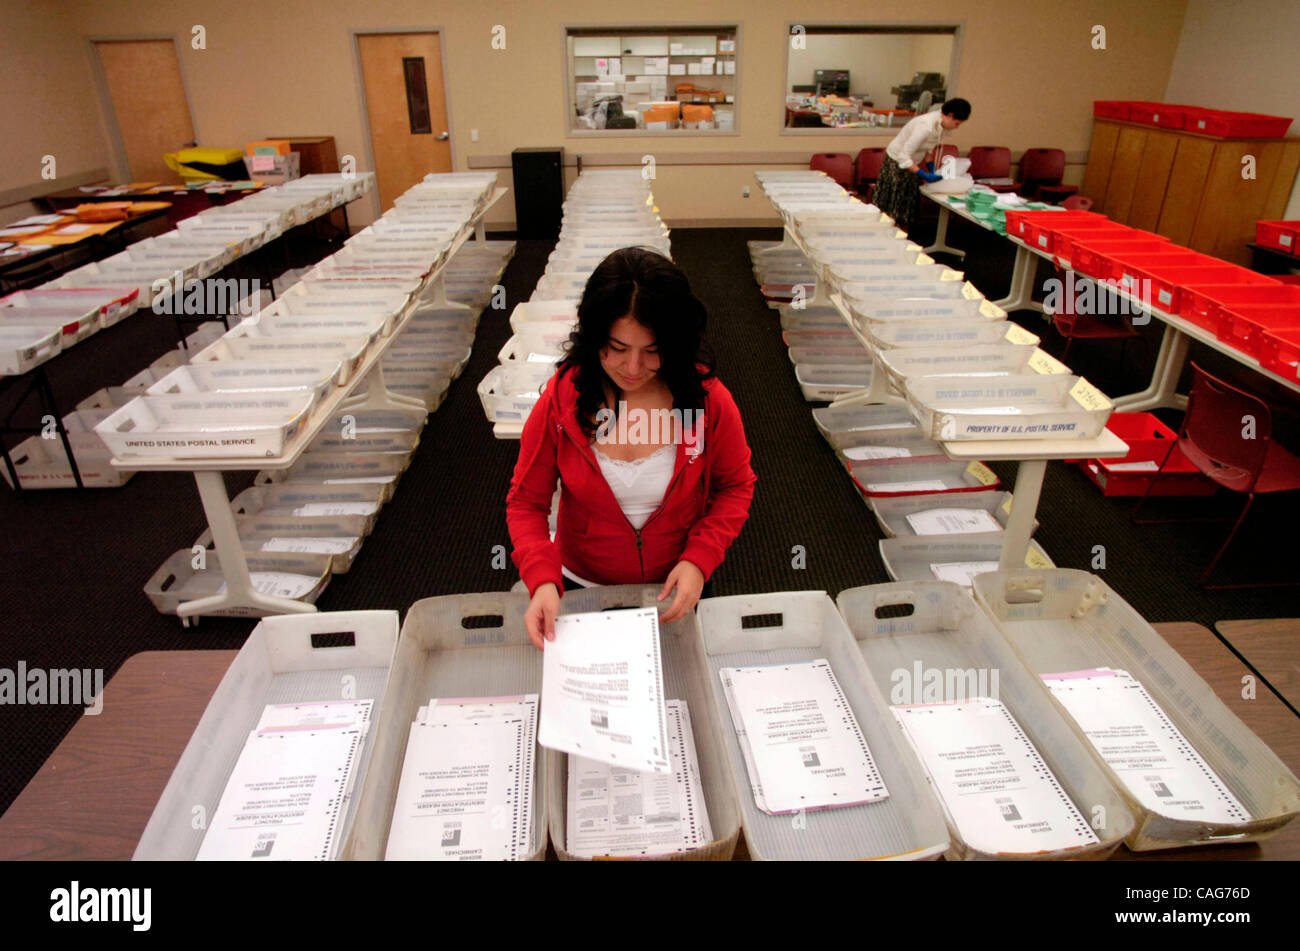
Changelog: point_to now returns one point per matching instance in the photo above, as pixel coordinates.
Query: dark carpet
(75, 561)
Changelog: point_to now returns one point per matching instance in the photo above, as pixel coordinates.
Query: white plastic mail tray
(948, 303)
(205, 425)
(371, 430)
(823, 382)
(341, 468)
(896, 277)
(140, 382)
(800, 626)
(910, 557)
(989, 359)
(327, 537)
(187, 575)
(855, 355)
(74, 322)
(270, 218)
(565, 285)
(428, 384)
(530, 312)
(1067, 620)
(537, 340)
(307, 301)
(429, 229)
(844, 246)
(831, 337)
(467, 645)
(932, 475)
(854, 425)
(245, 236)
(349, 351)
(308, 501)
(1037, 406)
(25, 348)
(508, 393)
(370, 319)
(242, 376)
(945, 332)
(142, 279)
(810, 318)
(863, 265)
(287, 659)
(448, 357)
(432, 318)
(175, 243)
(686, 677)
(193, 263)
(943, 630)
(110, 397)
(891, 444)
(866, 226)
(397, 254)
(113, 303)
(404, 277)
(42, 464)
(892, 511)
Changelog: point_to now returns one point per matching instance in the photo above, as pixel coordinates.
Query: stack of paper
(1141, 744)
(288, 795)
(802, 745)
(952, 521)
(996, 791)
(618, 811)
(466, 792)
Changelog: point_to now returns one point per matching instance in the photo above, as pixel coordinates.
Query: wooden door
(1101, 153)
(149, 104)
(1185, 189)
(1233, 203)
(407, 109)
(1152, 180)
(1124, 173)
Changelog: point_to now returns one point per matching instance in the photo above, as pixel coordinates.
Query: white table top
(1105, 446)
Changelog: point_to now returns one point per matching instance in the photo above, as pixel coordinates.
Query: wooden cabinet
(316, 153)
(1189, 188)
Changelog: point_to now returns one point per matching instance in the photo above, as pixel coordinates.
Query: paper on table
(73, 229)
(279, 584)
(805, 748)
(329, 545)
(921, 485)
(1143, 746)
(617, 811)
(962, 572)
(952, 521)
(39, 220)
(993, 784)
(876, 452)
(1146, 465)
(337, 508)
(314, 714)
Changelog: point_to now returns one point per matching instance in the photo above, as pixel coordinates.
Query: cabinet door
(1124, 173)
(1185, 188)
(1234, 201)
(1152, 179)
(1101, 153)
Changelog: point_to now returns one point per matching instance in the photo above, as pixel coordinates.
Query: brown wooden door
(1124, 173)
(390, 63)
(1101, 153)
(1185, 189)
(149, 104)
(1153, 177)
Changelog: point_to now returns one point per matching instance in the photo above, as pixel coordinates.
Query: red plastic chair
(1072, 325)
(1041, 171)
(838, 165)
(991, 161)
(1212, 438)
(869, 163)
(1077, 203)
(943, 150)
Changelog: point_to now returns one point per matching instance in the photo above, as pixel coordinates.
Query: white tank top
(639, 484)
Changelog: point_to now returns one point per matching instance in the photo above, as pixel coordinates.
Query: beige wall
(288, 68)
(1241, 55)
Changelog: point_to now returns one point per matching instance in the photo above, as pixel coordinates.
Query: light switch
(473, 135)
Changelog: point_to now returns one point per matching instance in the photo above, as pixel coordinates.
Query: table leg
(879, 392)
(480, 231)
(787, 244)
(1020, 524)
(239, 597)
(377, 395)
(1020, 294)
(435, 296)
(941, 235)
(1162, 392)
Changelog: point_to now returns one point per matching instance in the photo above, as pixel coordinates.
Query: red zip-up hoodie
(703, 510)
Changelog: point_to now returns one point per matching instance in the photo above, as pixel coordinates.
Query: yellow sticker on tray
(970, 291)
(1006, 506)
(924, 259)
(950, 275)
(1037, 560)
(990, 309)
(1017, 334)
(981, 473)
(1042, 362)
(1089, 397)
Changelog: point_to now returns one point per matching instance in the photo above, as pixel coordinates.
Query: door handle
(443, 137)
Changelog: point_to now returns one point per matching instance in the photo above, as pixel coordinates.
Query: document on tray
(994, 786)
(802, 745)
(952, 521)
(1143, 746)
(466, 789)
(290, 789)
(603, 689)
(618, 811)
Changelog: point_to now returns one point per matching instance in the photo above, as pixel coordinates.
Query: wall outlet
(744, 192)
(473, 135)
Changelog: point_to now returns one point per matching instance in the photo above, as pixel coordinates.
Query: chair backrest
(1077, 203)
(838, 165)
(1216, 424)
(989, 161)
(1042, 166)
(869, 163)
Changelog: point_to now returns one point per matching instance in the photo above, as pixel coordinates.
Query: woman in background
(898, 191)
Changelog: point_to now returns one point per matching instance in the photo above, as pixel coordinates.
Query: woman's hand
(539, 619)
(689, 581)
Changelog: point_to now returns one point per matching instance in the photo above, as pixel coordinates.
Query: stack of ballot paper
(802, 744)
(952, 521)
(603, 689)
(466, 792)
(289, 793)
(997, 793)
(1136, 738)
(626, 812)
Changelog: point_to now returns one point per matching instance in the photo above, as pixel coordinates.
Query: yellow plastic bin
(205, 164)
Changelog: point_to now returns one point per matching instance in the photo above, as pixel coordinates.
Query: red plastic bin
(1201, 303)
(1164, 273)
(1234, 125)
(1243, 325)
(1035, 227)
(1066, 239)
(1149, 441)
(1158, 114)
(1092, 256)
(1279, 351)
(1279, 235)
(1111, 108)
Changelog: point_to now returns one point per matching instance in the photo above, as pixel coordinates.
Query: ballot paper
(802, 745)
(279, 584)
(603, 689)
(961, 572)
(336, 508)
(1141, 744)
(919, 485)
(876, 452)
(466, 789)
(288, 795)
(625, 812)
(952, 521)
(329, 545)
(995, 789)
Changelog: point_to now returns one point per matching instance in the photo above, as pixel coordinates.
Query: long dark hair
(651, 289)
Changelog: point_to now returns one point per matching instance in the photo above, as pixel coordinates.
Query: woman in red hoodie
(646, 443)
